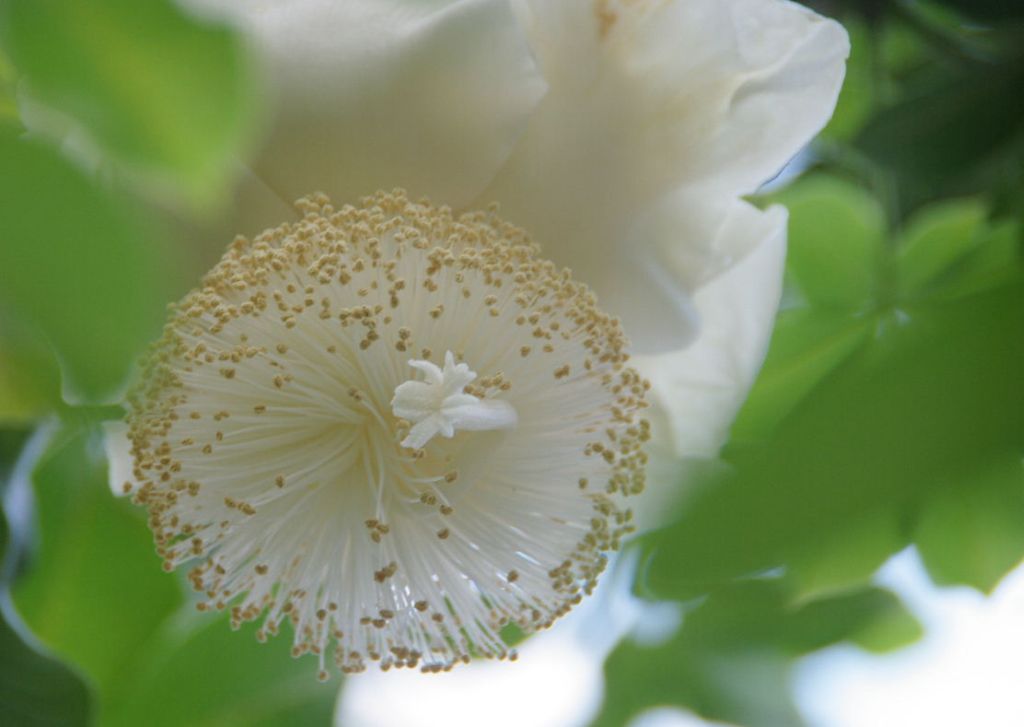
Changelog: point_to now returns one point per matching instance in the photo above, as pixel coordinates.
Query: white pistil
(439, 404)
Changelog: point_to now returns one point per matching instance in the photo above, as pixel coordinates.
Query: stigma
(439, 404)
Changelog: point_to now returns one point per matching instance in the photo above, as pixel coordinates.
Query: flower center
(297, 438)
(440, 405)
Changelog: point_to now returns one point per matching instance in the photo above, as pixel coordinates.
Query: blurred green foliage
(62, 234)
(36, 690)
(230, 679)
(931, 400)
(155, 91)
(747, 632)
(95, 590)
(29, 378)
(8, 104)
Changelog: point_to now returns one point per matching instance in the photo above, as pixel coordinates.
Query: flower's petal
(678, 244)
(696, 235)
(256, 207)
(758, 79)
(374, 94)
(697, 391)
(654, 106)
(663, 94)
(637, 284)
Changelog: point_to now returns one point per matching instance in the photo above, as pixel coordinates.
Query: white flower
(279, 443)
(621, 136)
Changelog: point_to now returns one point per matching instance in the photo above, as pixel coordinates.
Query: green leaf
(29, 378)
(732, 656)
(36, 690)
(952, 250)
(749, 688)
(991, 10)
(764, 612)
(95, 591)
(203, 674)
(857, 96)
(939, 134)
(82, 272)
(836, 248)
(23, 397)
(836, 232)
(155, 88)
(932, 401)
(974, 535)
(8, 103)
(992, 263)
(872, 618)
(892, 627)
(937, 238)
(807, 345)
(901, 51)
(847, 557)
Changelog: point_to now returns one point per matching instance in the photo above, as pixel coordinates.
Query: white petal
(655, 105)
(699, 390)
(374, 94)
(709, 92)
(696, 234)
(638, 285)
(255, 208)
(792, 68)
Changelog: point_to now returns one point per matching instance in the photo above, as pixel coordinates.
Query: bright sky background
(968, 671)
